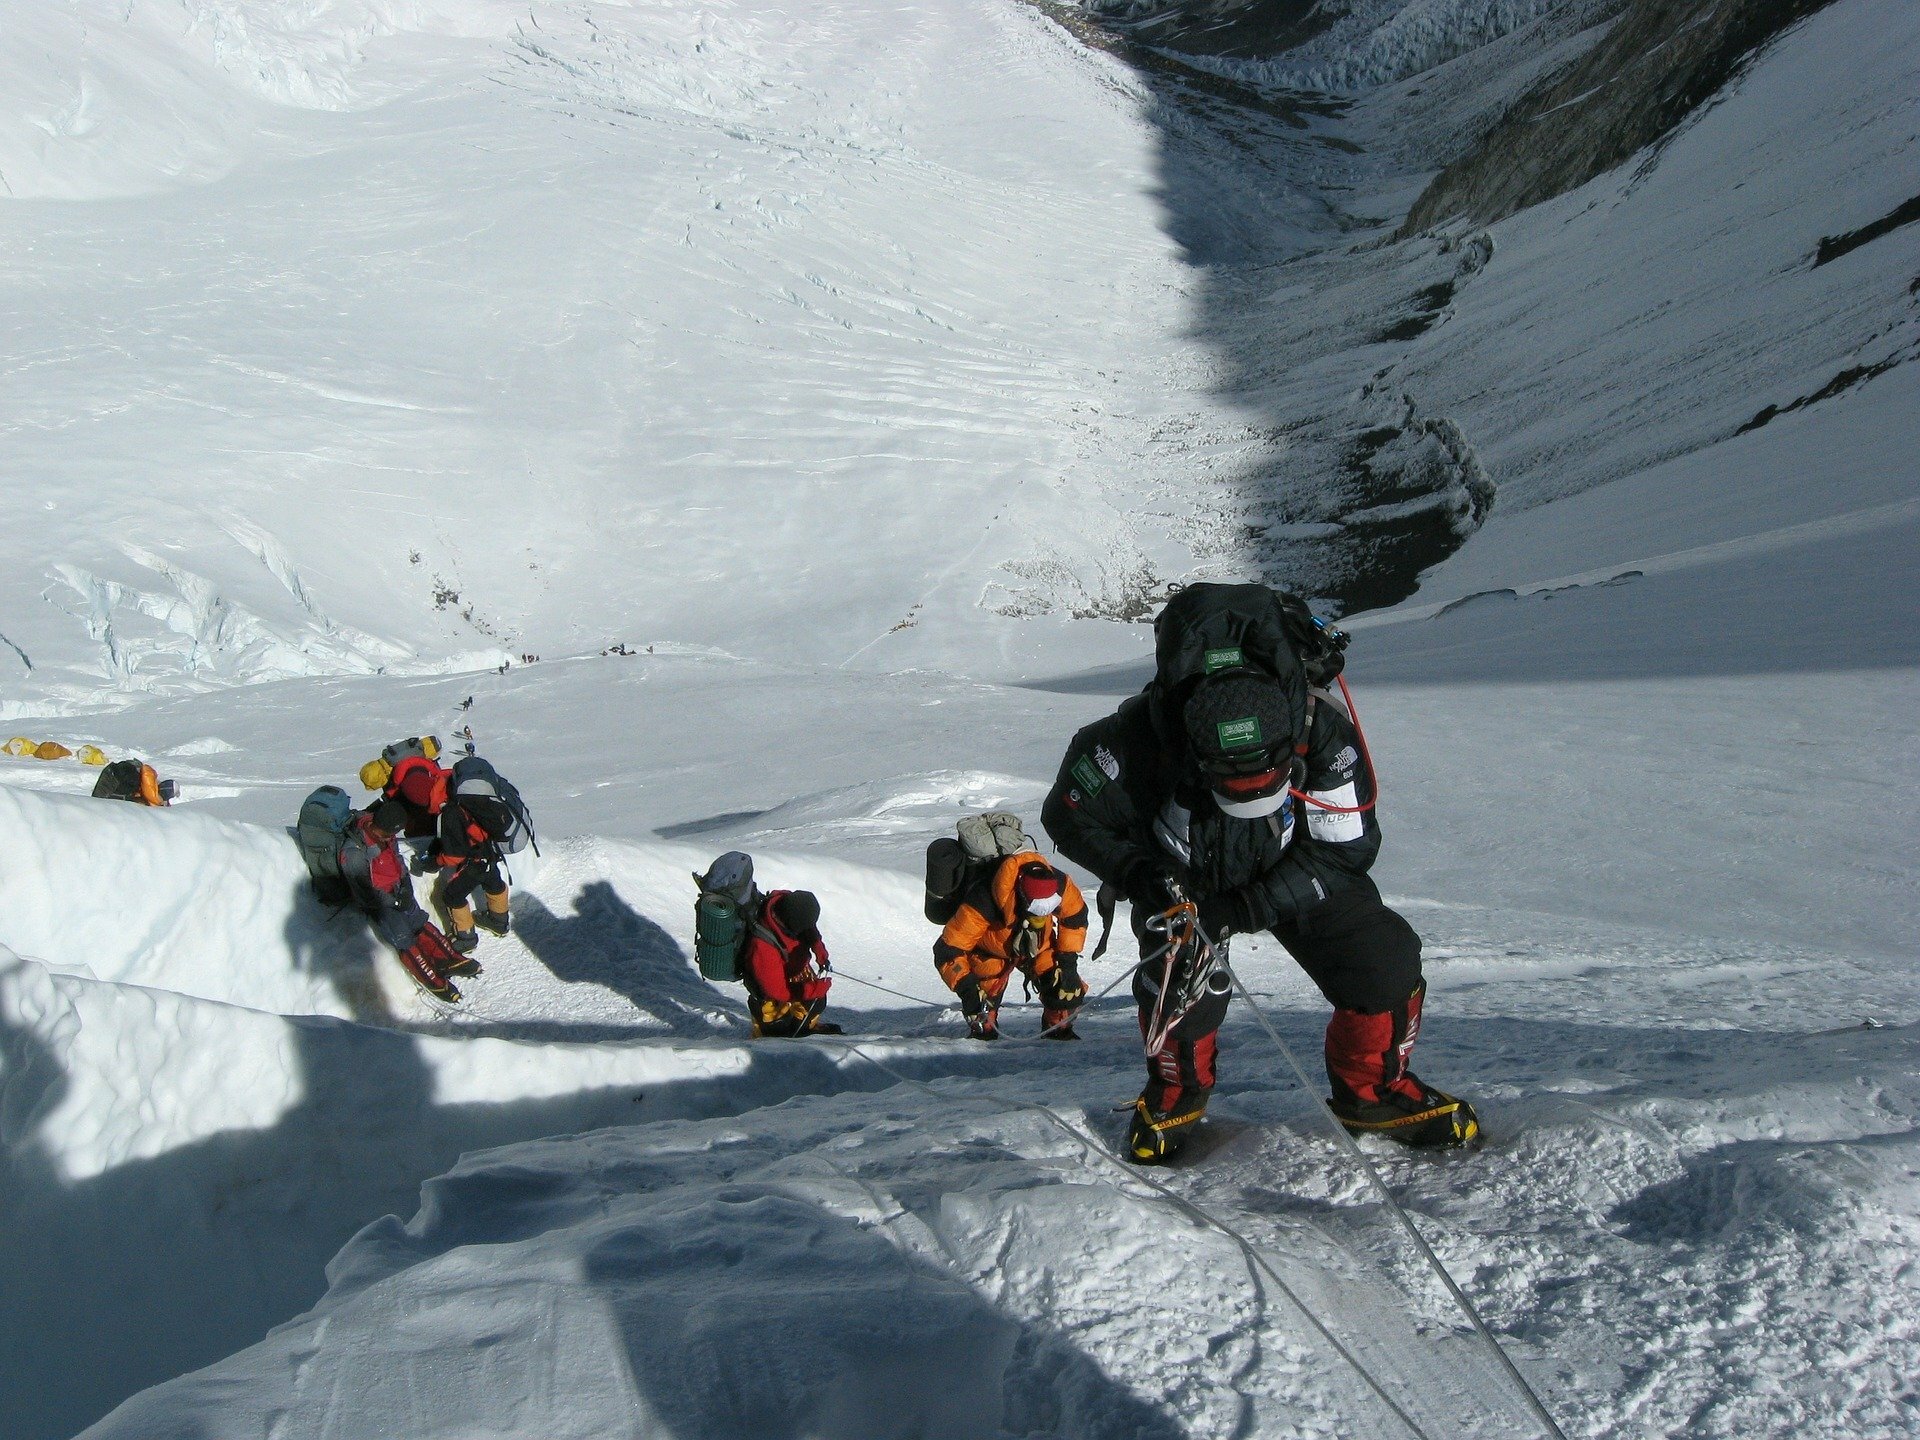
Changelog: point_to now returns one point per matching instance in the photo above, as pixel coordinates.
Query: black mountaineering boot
(1412, 1112)
(984, 1024)
(1154, 1137)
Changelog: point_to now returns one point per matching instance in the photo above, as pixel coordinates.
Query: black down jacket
(1128, 798)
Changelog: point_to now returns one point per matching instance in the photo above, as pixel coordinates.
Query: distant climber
(377, 878)
(134, 780)
(785, 967)
(1021, 914)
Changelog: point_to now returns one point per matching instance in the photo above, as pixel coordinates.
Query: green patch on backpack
(1227, 657)
(1239, 734)
(1092, 779)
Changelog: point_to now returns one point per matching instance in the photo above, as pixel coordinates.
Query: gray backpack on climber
(492, 800)
(956, 861)
(724, 915)
(321, 829)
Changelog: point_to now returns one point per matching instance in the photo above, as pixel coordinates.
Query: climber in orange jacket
(1023, 915)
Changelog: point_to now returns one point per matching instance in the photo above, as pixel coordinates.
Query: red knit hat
(1039, 889)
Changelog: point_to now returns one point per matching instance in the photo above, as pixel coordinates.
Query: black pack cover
(955, 862)
(493, 801)
(949, 871)
(1208, 629)
(119, 781)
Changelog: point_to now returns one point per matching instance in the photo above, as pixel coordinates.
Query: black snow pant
(485, 875)
(1364, 957)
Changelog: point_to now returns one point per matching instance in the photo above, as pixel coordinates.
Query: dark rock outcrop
(1660, 61)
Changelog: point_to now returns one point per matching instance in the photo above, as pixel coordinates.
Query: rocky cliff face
(1659, 62)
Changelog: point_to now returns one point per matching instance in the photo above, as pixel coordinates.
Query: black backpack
(119, 781)
(491, 799)
(1208, 629)
(956, 862)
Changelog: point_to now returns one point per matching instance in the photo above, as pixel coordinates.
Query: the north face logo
(1239, 734)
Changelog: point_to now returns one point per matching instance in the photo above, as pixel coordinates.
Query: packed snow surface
(759, 425)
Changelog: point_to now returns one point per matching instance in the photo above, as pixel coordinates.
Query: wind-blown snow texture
(818, 393)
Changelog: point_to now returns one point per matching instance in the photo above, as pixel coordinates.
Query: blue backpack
(495, 803)
(321, 830)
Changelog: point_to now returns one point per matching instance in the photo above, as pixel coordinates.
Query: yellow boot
(460, 933)
(495, 920)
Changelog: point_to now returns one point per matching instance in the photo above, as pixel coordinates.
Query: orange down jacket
(983, 938)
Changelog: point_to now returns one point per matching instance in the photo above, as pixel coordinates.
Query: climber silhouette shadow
(759, 1311)
(608, 942)
(163, 1264)
(336, 943)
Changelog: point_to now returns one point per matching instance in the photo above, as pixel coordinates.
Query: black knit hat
(390, 816)
(798, 912)
(1238, 723)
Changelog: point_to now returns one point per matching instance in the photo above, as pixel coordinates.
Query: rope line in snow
(885, 990)
(1182, 1203)
(1099, 994)
(1394, 1208)
(1351, 1148)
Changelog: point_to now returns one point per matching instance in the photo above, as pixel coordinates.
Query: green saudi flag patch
(1238, 734)
(1089, 775)
(1227, 657)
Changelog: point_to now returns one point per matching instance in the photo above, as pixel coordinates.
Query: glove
(419, 862)
(1223, 915)
(1153, 883)
(1065, 982)
(971, 1000)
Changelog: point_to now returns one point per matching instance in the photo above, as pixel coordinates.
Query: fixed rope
(1181, 1202)
(1099, 994)
(1394, 1208)
(1349, 1146)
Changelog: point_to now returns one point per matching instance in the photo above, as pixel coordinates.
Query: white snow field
(822, 394)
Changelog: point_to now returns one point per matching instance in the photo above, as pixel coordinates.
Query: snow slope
(315, 1105)
(847, 366)
(489, 330)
